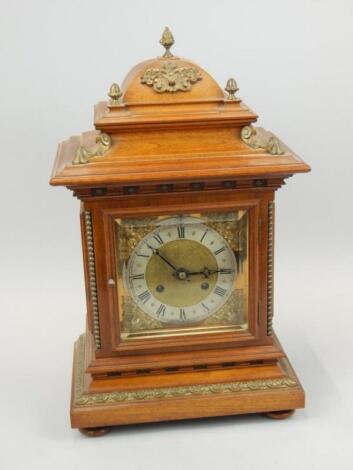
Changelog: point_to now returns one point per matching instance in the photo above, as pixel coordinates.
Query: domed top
(170, 91)
(169, 79)
(171, 122)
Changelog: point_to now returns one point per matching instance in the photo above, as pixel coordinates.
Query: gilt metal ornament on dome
(171, 78)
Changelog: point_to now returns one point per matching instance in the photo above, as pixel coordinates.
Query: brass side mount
(83, 154)
(258, 139)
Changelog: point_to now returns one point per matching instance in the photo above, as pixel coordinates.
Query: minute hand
(165, 260)
(156, 252)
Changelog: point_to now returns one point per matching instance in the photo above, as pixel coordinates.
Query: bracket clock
(177, 219)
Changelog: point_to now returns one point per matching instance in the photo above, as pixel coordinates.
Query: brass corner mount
(258, 139)
(84, 154)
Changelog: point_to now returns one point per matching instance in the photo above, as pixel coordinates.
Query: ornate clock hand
(223, 271)
(206, 272)
(155, 251)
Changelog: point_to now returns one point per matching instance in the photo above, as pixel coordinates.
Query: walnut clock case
(177, 219)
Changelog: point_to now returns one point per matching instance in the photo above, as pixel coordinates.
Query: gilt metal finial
(167, 40)
(114, 93)
(231, 88)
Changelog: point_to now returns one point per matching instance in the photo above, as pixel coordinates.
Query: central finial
(167, 41)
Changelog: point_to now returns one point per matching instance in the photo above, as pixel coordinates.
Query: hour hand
(222, 271)
(207, 272)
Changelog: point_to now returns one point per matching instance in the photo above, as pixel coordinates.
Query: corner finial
(232, 88)
(167, 40)
(114, 93)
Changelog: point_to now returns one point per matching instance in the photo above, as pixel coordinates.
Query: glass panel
(182, 274)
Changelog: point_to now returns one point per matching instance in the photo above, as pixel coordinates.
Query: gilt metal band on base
(83, 399)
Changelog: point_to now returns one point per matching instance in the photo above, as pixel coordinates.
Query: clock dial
(182, 272)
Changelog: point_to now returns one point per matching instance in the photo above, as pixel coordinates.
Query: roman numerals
(182, 314)
(220, 291)
(144, 296)
(203, 235)
(181, 231)
(217, 252)
(150, 247)
(163, 268)
(158, 238)
(161, 310)
(226, 271)
(137, 276)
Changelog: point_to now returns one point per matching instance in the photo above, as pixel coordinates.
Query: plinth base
(270, 389)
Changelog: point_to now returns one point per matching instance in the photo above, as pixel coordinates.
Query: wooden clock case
(177, 151)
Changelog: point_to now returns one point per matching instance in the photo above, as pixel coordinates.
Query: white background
(293, 63)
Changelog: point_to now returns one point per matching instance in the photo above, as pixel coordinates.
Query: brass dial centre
(180, 288)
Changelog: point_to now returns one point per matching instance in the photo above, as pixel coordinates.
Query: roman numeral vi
(182, 314)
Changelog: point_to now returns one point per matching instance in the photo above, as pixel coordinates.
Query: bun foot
(280, 414)
(94, 432)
